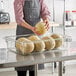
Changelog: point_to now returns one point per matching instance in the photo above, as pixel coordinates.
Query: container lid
(74, 11)
(67, 11)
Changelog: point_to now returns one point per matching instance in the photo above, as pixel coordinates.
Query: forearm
(26, 25)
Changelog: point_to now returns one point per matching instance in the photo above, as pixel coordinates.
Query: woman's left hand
(46, 21)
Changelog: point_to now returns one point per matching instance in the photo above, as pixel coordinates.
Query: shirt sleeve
(18, 9)
(45, 13)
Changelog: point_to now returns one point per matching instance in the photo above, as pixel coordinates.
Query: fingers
(36, 32)
(47, 26)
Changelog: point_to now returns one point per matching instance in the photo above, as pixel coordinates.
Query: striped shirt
(18, 8)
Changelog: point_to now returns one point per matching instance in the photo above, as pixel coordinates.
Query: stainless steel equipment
(4, 17)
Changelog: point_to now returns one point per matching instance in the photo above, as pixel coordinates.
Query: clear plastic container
(12, 40)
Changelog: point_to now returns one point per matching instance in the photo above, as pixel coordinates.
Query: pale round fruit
(49, 42)
(58, 40)
(19, 41)
(24, 45)
(33, 37)
(39, 45)
(40, 28)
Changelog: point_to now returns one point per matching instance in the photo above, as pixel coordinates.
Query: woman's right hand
(34, 30)
(26, 25)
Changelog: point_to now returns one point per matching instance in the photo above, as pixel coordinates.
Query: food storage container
(13, 40)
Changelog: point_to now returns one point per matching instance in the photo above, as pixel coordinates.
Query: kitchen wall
(8, 7)
(58, 8)
(70, 4)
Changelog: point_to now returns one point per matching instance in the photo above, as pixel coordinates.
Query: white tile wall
(58, 5)
(4, 33)
(8, 7)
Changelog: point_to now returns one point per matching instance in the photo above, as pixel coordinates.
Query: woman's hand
(47, 24)
(26, 25)
(34, 30)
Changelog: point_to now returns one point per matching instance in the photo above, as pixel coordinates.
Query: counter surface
(11, 25)
(11, 59)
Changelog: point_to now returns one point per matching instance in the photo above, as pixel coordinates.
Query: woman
(27, 14)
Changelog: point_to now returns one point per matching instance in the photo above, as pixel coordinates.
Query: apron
(31, 11)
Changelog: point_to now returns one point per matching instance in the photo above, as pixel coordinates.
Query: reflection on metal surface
(26, 58)
(3, 55)
(39, 56)
(49, 54)
(58, 54)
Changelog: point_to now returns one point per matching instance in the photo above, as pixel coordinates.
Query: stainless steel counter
(11, 59)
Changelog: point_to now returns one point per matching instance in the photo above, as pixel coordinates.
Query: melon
(58, 40)
(49, 42)
(19, 41)
(39, 45)
(40, 28)
(24, 45)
